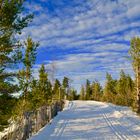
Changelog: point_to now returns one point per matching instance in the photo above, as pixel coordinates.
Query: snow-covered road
(90, 120)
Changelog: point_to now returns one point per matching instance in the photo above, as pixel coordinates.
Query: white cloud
(98, 31)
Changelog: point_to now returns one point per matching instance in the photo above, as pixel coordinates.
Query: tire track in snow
(63, 123)
(71, 106)
(110, 126)
(115, 131)
(123, 127)
(134, 122)
(118, 129)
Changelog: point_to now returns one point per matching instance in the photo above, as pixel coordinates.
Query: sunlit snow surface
(90, 120)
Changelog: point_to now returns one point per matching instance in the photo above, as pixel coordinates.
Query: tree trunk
(138, 88)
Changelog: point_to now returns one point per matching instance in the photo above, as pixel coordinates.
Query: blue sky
(84, 39)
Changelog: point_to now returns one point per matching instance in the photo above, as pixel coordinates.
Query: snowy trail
(90, 120)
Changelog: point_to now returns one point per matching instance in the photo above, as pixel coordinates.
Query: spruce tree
(72, 94)
(82, 93)
(43, 80)
(39, 94)
(88, 90)
(57, 90)
(121, 86)
(135, 56)
(65, 84)
(96, 91)
(130, 86)
(125, 90)
(109, 89)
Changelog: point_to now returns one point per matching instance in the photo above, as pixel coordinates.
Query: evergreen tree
(11, 24)
(49, 91)
(88, 90)
(39, 95)
(82, 93)
(25, 76)
(109, 89)
(96, 91)
(121, 89)
(130, 91)
(73, 95)
(124, 90)
(43, 80)
(135, 55)
(66, 82)
(57, 90)
(65, 85)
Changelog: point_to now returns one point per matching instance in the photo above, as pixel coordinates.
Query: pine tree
(124, 89)
(88, 90)
(66, 82)
(82, 93)
(39, 95)
(11, 24)
(96, 91)
(49, 91)
(25, 75)
(65, 85)
(121, 97)
(42, 84)
(109, 89)
(72, 95)
(135, 55)
(43, 80)
(130, 86)
(27, 83)
(57, 90)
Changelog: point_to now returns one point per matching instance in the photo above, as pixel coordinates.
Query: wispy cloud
(86, 38)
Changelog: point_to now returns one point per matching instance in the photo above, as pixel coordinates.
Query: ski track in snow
(91, 120)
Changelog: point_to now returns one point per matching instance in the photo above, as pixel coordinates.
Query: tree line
(34, 93)
(122, 91)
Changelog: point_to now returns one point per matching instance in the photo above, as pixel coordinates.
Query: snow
(91, 120)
